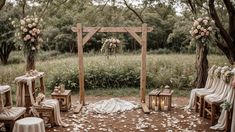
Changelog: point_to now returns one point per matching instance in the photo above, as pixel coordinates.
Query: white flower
(199, 19)
(207, 18)
(34, 24)
(202, 33)
(30, 25)
(204, 30)
(36, 20)
(118, 41)
(195, 31)
(207, 33)
(199, 27)
(197, 37)
(32, 39)
(212, 22)
(30, 31)
(28, 37)
(25, 30)
(38, 31)
(34, 34)
(28, 20)
(195, 23)
(13, 22)
(25, 38)
(35, 30)
(113, 40)
(22, 22)
(205, 22)
(210, 28)
(33, 48)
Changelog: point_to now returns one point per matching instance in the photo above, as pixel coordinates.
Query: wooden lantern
(5, 97)
(154, 99)
(165, 99)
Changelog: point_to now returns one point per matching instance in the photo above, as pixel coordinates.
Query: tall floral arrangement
(202, 29)
(110, 46)
(201, 32)
(29, 33)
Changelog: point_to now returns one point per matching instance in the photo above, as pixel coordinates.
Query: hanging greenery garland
(111, 46)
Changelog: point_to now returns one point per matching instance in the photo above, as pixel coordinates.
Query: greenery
(122, 71)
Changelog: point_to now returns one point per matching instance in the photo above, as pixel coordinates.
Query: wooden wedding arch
(142, 40)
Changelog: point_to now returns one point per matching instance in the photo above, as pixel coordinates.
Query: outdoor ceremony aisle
(134, 120)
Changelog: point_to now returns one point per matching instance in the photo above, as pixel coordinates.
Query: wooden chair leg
(201, 100)
(213, 110)
(204, 109)
(196, 105)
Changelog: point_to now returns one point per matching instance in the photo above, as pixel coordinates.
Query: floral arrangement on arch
(29, 32)
(111, 46)
(202, 29)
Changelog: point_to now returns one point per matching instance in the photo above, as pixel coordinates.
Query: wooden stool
(46, 112)
(64, 99)
(26, 87)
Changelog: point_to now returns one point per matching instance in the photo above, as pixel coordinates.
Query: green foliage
(7, 33)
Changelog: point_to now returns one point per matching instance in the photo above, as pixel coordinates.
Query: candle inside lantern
(153, 103)
(162, 103)
(156, 108)
(165, 108)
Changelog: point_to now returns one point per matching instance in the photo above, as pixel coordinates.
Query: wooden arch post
(142, 40)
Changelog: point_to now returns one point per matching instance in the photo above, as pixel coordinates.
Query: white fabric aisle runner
(111, 106)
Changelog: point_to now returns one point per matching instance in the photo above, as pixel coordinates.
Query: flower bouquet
(110, 46)
(29, 34)
(202, 28)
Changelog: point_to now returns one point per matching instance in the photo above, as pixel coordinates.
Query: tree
(218, 10)
(6, 32)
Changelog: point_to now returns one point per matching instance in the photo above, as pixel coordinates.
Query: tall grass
(176, 70)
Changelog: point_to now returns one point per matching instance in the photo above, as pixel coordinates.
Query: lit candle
(165, 108)
(156, 108)
(162, 103)
(153, 104)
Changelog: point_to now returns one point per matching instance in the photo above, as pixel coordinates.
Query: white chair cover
(210, 82)
(222, 121)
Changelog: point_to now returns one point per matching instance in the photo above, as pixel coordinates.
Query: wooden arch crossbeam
(141, 39)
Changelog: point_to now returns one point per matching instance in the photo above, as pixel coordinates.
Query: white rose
(210, 28)
(34, 34)
(38, 31)
(33, 48)
(207, 18)
(13, 22)
(207, 33)
(28, 37)
(32, 39)
(28, 20)
(25, 38)
(22, 22)
(204, 30)
(199, 27)
(195, 31)
(34, 24)
(30, 25)
(25, 30)
(195, 23)
(205, 22)
(202, 33)
(199, 19)
(118, 41)
(212, 22)
(35, 30)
